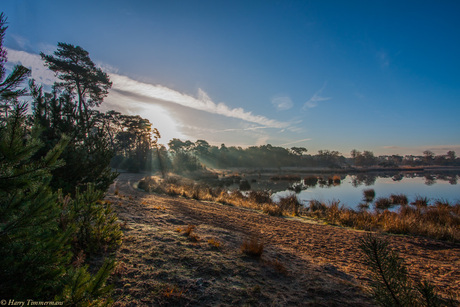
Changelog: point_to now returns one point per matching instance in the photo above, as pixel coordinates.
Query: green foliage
(32, 247)
(183, 162)
(94, 221)
(83, 289)
(35, 248)
(89, 151)
(79, 76)
(389, 279)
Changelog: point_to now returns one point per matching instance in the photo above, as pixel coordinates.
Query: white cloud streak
(295, 142)
(313, 101)
(202, 102)
(127, 85)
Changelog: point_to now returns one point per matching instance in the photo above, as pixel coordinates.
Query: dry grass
(439, 221)
(252, 247)
(399, 199)
(369, 195)
(289, 205)
(215, 243)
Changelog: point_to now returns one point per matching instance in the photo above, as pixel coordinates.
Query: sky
(337, 75)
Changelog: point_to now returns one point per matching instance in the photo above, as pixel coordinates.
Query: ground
(304, 262)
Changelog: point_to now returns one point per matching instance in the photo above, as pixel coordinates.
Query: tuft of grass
(252, 247)
(260, 197)
(399, 199)
(369, 195)
(215, 243)
(420, 201)
(272, 209)
(289, 205)
(188, 230)
(383, 203)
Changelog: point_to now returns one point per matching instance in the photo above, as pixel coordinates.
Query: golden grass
(215, 243)
(252, 247)
(440, 220)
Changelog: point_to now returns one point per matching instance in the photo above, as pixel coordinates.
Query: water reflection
(349, 188)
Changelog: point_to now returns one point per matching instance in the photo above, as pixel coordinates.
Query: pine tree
(33, 250)
(67, 110)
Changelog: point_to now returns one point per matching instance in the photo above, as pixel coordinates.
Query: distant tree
(428, 157)
(299, 151)
(79, 76)
(202, 147)
(451, 156)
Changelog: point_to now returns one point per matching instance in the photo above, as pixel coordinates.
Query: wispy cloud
(202, 102)
(295, 142)
(126, 85)
(383, 59)
(282, 103)
(313, 101)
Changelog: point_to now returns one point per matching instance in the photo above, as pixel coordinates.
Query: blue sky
(371, 75)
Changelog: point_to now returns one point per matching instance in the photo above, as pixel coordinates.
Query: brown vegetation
(303, 262)
(252, 247)
(439, 221)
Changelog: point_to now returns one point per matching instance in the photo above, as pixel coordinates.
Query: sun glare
(163, 121)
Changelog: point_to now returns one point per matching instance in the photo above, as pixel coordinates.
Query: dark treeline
(190, 156)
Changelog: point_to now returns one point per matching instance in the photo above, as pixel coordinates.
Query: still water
(350, 189)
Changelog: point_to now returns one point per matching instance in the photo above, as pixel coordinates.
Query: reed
(438, 221)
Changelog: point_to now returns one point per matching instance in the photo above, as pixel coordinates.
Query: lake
(350, 189)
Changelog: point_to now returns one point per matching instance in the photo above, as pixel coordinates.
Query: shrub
(336, 179)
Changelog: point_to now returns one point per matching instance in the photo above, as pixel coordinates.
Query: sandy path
(333, 248)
